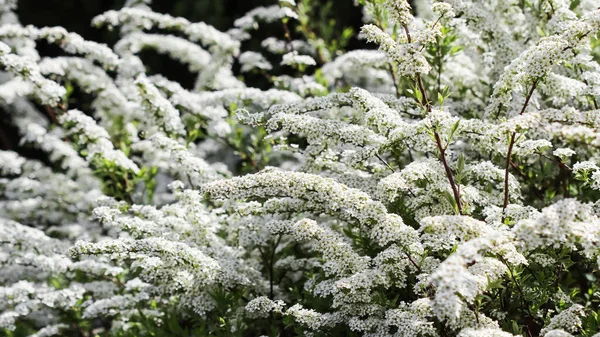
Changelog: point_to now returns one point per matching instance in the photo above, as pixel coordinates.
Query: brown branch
(385, 163)
(448, 172)
(407, 32)
(517, 169)
(425, 102)
(288, 37)
(510, 148)
(413, 262)
(512, 138)
(558, 162)
(394, 79)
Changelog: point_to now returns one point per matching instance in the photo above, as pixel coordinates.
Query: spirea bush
(446, 184)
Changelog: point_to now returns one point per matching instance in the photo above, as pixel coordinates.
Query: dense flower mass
(444, 182)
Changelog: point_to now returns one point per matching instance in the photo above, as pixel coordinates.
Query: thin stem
(425, 102)
(394, 79)
(272, 267)
(407, 32)
(518, 286)
(511, 143)
(410, 155)
(439, 72)
(435, 23)
(564, 173)
(529, 95)
(475, 309)
(593, 97)
(288, 37)
(517, 169)
(51, 114)
(558, 162)
(448, 172)
(385, 162)
(413, 262)
(510, 148)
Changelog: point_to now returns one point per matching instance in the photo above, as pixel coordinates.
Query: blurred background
(76, 16)
(330, 19)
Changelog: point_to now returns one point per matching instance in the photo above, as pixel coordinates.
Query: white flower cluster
(71, 43)
(47, 91)
(145, 19)
(192, 168)
(400, 12)
(568, 320)
(467, 272)
(251, 60)
(293, 59)
(567, 222)
(178, 48)
(262, 306)
(264, 14)
(409, 59)
(164, 114)
(588, 171)
(95, 138)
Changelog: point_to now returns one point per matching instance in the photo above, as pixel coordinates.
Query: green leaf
(174, 327)
(460, 162)
(455, 50)
(540, 31)
(451, 200)
(452, 132)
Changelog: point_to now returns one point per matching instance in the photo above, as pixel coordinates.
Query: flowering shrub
(444, 185)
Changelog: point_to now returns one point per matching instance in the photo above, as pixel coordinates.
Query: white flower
(339, 257)
(194, 169)
(145, 19)
(262, 306)
(47, 91)
(400, 11)
(52, 330)
(265, 14)
(568, 320)
(557, 333)
(567, 223)
(307, 317)
(76, 123)
(529, 147)
(10, 163)
(162, 112)
(485, 332)
(294, 59)
(564, 153)
(178, 48)
(443, 9)
(251, 60)
(408, 57)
